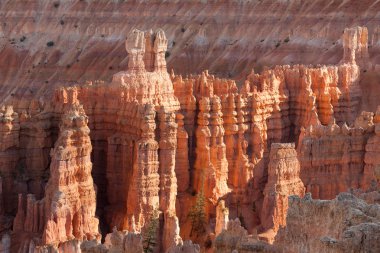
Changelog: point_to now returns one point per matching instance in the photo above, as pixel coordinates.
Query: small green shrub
(150, 235)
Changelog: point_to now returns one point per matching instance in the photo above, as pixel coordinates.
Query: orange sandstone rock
(283, 181)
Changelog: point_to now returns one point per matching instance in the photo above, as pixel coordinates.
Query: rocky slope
(50, 43)
(344, 224)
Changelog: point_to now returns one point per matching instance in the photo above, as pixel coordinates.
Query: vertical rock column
(355, 46)
(324, 84)
(168, 179)
(167, 145)
(135, 45)
(231, 129)
(70, 200)
(371, 175)
(160, 47)
(203, 162)
(283, 181)
(218, 150)
(143, 192)
(37, 139)
(242, 168)
(183, 90)
(9, 155)
(30, 215)
(221, 217)
(182, 168)
(211, 166)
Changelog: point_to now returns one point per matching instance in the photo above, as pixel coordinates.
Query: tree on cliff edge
(197, 213)
(150, 237)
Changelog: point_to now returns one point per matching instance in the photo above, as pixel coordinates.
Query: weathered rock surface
(95, 35)
(349, 225)
(159, 141)
(68, 209)
(283, 181)
(345, 224)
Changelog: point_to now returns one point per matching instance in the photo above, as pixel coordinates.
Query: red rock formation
(70, 195)
(372, 169)
(68, 209)
(332, 158)
(182, 168)
(211, 164)
(139, 136)
(283, 181)
(304, 35)
(9, 144)
(158, 139)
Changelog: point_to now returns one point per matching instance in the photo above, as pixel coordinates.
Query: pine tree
(150, 237)
(197, 213)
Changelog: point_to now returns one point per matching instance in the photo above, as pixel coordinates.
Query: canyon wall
(48, 44)
(163, 156)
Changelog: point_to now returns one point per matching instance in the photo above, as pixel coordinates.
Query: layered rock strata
(283, 181)
(70, 194)
(157, 140)
(332, 158)
(272, 107)
(68, 209)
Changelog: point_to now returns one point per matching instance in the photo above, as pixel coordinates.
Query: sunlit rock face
(87, 159)
(283, 181)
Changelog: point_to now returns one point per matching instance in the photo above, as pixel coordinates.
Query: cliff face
(283, 181)
(265, 33)
(272, 107)
(68, 209)
(159, 156)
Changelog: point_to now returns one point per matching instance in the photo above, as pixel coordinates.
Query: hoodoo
(232, 128)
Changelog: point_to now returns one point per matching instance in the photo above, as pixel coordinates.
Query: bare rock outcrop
(355, 45)
(158, 140)
(283, 181)
(211, 166)
(236, 239)
(345, 224)
(336, 151)
(70, 201)
(372, 163)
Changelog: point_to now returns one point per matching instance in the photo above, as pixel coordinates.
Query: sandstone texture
(127, 156)
(283, 181)
(350, 225)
